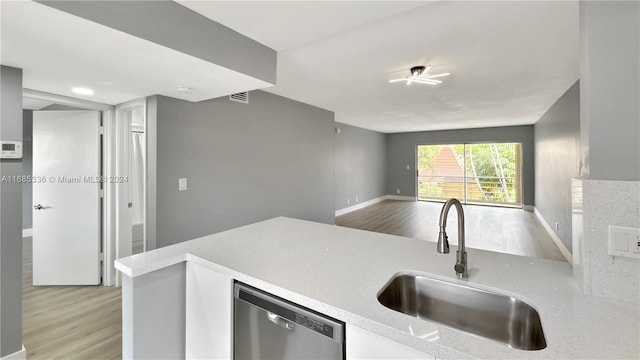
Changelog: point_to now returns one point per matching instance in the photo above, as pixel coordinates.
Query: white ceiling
(510, 61)
(284, 24)
(58, 51)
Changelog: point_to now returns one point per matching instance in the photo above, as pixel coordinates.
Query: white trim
(108, 202)
(360, 206)
(400, 197)
(554, 236)
(27, 232)
(18, 355)
(150, 172)
(528, 207)
(65, 100)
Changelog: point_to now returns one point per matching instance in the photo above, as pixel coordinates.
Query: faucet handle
(461, 265)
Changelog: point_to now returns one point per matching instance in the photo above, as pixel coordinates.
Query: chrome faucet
(443, 240)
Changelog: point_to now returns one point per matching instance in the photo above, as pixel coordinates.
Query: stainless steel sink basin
(484, 313)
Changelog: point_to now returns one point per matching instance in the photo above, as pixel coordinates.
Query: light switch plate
(624, 241)
(182, 184)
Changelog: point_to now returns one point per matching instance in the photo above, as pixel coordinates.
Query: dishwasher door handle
(280, 321)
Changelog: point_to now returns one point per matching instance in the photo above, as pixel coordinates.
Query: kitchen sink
(484, 313)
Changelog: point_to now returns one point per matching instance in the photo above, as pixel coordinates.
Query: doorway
(485, 173)
(129, 135)
(123, 129)
(137, 175)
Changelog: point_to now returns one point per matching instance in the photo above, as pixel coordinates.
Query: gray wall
(557, 136)
(156, 300)
(10, 215)
(163, 22)
(244, 163)
(360, 165)
(610, 89)
(401, 151)
(27, 167)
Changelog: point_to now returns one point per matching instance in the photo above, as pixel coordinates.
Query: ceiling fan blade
(435, 76)
(396, 80)
(424, 73)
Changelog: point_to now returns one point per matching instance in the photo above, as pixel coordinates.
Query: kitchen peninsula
(177, 300)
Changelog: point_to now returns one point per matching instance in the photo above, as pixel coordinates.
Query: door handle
(38, 207)
(280, 321)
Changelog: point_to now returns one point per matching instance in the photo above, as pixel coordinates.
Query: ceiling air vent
(242, 97)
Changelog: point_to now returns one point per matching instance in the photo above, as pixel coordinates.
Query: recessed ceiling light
(82, 91)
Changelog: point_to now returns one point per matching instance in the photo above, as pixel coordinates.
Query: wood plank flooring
(69, 322)
(506, 230)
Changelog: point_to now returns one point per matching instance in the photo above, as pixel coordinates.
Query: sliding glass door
(473, 173)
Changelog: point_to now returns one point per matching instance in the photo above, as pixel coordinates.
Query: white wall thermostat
(11, 150)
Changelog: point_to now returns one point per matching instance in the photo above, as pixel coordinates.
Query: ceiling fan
(419, 75)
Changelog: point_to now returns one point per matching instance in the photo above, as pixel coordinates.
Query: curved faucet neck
(443, 221)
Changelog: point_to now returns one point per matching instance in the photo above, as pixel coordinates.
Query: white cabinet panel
(209, 314)
(363, 345)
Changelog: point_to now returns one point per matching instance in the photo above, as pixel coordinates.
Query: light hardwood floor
(506, 230)
(69, 322)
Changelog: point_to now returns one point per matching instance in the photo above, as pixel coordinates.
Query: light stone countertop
(339, 272)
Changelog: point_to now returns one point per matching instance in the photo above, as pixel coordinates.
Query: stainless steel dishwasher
(268, 327)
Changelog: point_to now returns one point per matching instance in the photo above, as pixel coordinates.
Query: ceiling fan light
(419, 75)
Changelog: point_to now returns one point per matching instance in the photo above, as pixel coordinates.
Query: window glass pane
(472, 173)
(492, 173)
(441, 172)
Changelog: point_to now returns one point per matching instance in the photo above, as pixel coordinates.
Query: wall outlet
(624, 241)
(397, 191)
(182, 184)
(348, 201)
(356, 199)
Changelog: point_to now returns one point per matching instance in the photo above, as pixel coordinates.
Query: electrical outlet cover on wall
(624, 241)
(182, 184)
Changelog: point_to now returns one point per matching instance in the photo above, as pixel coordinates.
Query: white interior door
(66, 197)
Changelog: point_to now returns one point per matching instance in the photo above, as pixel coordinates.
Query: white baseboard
(400, 197)
(27, 232)
(18, 355)
(359, 206)
(373, 201)
(554, 236)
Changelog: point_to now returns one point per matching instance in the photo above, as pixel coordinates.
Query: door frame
(115, 142)
(106, 218)
(119, 136)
